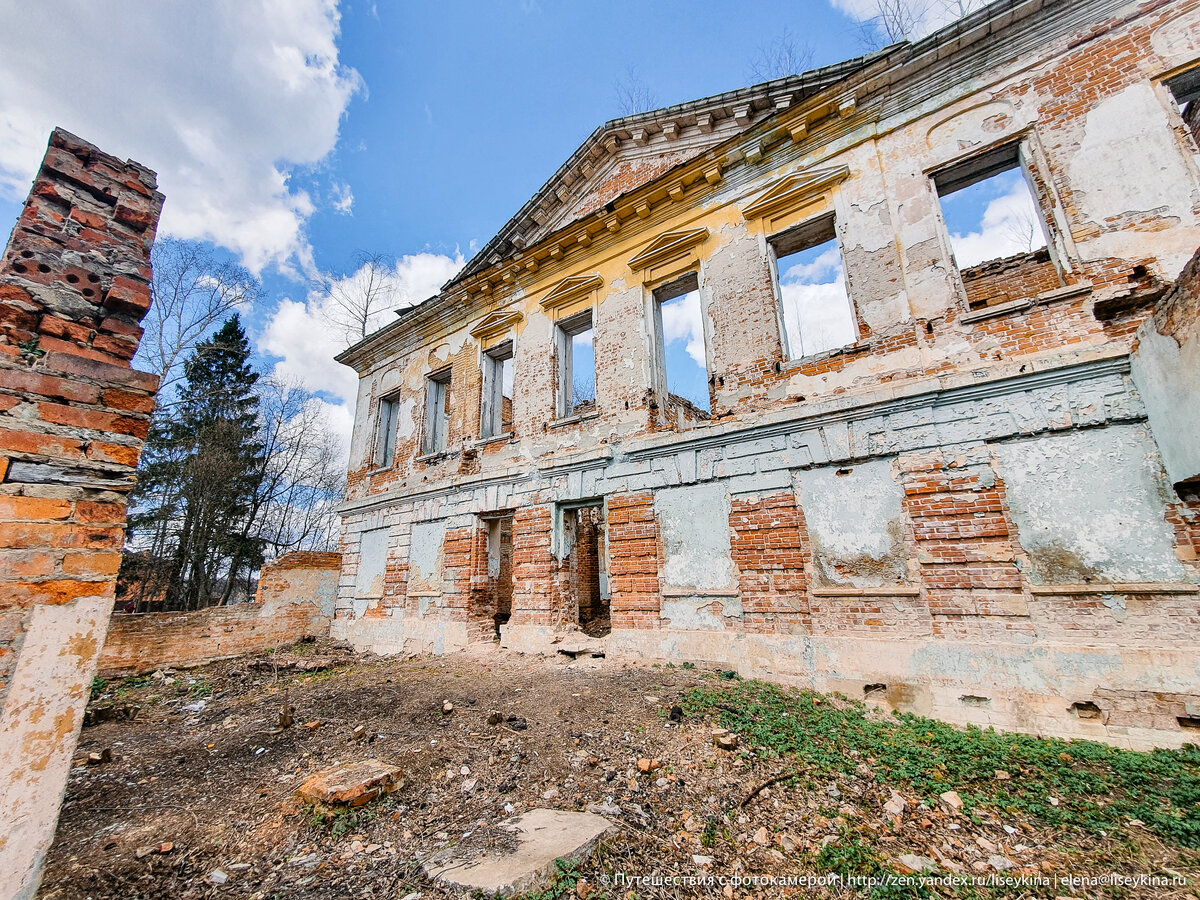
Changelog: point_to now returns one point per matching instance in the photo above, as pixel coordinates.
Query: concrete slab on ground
(541, 837)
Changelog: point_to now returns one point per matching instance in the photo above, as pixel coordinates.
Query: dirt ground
(202, 779)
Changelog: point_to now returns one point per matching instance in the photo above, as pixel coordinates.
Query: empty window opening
(817, 313)
(577, 366)
(385, 447)
(498, 596)
(1185, 90)
(681, 352)
(497, 406)
(585, 568)
(995, 229)
(437, 411)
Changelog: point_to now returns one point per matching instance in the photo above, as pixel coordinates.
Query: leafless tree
(192, 292)
(298, 485)
(905, 20)
(783, 55)
(1025, 230)
(356, 301)
(633, 94)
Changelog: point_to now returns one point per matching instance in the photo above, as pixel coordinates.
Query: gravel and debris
(189, 791)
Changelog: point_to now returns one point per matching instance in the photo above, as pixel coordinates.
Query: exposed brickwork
(73, 286)
(635, 561)
(962, 533)
(294, 600)
(535, 595)
(769, 548)
(74, 283)
(1013, 278)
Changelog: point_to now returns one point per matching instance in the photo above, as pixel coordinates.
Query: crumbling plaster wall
(74, 283)
(943, 420)
(1166, 367)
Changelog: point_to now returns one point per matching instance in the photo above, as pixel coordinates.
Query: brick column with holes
(74, 284)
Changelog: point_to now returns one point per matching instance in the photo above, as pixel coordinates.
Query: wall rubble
(295, 599)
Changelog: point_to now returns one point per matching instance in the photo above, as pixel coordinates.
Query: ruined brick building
(962, 491)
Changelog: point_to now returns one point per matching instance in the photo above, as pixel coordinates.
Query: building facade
(933, 485)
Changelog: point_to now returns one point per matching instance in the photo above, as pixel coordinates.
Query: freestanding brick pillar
(74, 283)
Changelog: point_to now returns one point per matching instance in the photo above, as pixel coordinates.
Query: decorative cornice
(496, 323)
(793, 190)
(570, 289)
(667, 246)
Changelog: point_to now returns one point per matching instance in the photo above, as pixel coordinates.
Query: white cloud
(225, 100)
(339, 417)
(917, 17)
(1009, 225)
(343, 198)
(816, 310)
(301, 337)
(681, 321)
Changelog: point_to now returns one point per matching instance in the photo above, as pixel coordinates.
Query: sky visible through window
(816, 309)
(683, 349)
(993, 219)
(583, 368)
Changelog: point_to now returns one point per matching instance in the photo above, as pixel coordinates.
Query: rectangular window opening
(437, 411)
(817, 313)
(1185, 89)
(497, 406)
(577, 366)
(385, 449)
(995, 228)
(682, 356)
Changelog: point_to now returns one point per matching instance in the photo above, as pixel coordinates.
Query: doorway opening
(585, 567)
(499, 570)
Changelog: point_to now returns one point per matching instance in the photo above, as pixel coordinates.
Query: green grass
(1097, 786)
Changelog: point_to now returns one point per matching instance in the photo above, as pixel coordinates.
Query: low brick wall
(295, 599)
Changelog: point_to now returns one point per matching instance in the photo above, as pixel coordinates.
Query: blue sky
(292, 134)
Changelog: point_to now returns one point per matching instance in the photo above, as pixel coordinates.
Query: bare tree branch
(783, 55)
(192, 292)
(633, 95)
(357, 301)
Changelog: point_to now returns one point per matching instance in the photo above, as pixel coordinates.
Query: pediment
(793, 190)
(570, 289)
(667, 246)
(496, 323)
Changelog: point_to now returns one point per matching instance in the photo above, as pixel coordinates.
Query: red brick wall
(294, 600)
(635, 559)
(74, 283)
(1014, 278)
(769, 546)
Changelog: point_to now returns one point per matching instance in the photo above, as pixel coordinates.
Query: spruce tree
(198, 483)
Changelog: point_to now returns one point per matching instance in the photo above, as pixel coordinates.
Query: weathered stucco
(1089, 507)
(855, 523)
(695, 535)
